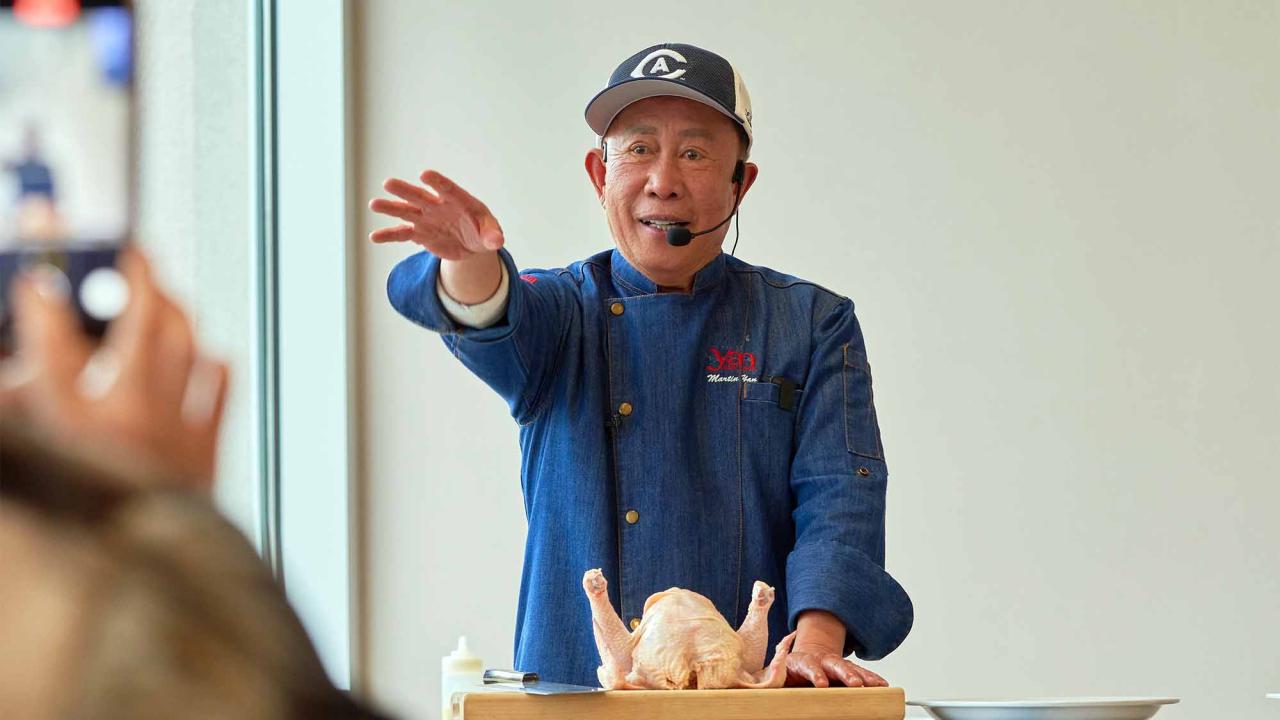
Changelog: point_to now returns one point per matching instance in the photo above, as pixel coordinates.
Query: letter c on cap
(660, 65)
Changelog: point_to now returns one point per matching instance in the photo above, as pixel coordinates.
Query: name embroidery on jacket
(722, 361)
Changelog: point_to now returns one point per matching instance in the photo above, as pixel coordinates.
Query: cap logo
(659, 59)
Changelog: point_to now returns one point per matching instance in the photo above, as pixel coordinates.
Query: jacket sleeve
(518, 356)
(838, 478)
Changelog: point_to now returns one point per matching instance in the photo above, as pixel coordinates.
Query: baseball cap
(673, 69)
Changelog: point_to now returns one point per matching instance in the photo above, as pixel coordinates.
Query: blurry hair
(184, 619)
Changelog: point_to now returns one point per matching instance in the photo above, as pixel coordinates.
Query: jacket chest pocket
(768, 427)
(861, 428)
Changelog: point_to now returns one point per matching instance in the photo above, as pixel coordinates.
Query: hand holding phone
(146, 392)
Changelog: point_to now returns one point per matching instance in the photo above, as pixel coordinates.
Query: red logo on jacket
(730, 361)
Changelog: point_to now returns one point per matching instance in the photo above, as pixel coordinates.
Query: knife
(531, 684)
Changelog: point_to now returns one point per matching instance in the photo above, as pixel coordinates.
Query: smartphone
(66, 151)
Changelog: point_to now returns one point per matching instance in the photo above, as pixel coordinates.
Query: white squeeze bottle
(458, 670)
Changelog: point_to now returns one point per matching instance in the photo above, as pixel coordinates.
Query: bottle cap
(463, 652)
(462, 660)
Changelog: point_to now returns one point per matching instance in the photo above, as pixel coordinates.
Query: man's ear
(595, 170)
(749, 173)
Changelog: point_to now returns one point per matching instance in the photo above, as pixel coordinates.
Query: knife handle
(509, 676)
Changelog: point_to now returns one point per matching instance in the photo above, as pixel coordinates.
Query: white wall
(195, 209)
(1059, 223)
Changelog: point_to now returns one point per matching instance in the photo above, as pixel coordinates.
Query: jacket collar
(632, 282)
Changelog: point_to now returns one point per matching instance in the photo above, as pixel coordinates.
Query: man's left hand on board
(816, 659)
(820, 667)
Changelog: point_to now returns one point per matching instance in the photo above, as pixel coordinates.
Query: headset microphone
(680, 236)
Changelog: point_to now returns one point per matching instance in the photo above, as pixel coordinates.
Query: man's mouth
(663, 223)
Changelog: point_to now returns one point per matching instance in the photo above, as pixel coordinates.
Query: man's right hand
(441, 217)
(453, 225)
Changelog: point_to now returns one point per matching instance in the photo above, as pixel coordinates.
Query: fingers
(130, 336)
(410, 192)
(869, 678)
(51, 346)
(175, 353)
(804, 668)
(443, 218)
(206, 393)
(491, 237)
(851, 674)
(837, 668)
(442, 184)
(449, 190)
(398, 233)
(820, 669)
(203, 406)
(167, 400)
(414, 200)
(15, 383)
(153, 343)
(396, 208)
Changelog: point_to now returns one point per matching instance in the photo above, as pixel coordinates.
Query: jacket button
(616, 308)
(863, 472)
(625, 409)
(635, 623)
(633, 517)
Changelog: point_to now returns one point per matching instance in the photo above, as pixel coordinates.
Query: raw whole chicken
(682, 642)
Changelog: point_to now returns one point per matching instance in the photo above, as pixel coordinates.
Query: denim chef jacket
(701, 440)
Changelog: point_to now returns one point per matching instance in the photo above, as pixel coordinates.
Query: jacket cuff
(876, 611)
(411, 288)
(479, 315)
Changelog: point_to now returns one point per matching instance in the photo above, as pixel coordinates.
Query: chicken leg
(755, 629)
(775, 675)
(612, 639)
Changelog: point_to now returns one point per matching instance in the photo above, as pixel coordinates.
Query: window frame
(306, 284)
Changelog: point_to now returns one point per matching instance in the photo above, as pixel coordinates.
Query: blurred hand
(820, 667)
(441, 217)
(145, 392)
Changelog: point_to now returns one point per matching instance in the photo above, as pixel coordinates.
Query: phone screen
(66, 137)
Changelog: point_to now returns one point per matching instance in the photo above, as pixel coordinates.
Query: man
(35, 206)
(686, 419)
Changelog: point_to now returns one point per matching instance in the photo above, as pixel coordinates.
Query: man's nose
(665, 180)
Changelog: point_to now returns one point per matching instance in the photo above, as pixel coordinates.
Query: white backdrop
(196, 213)
(1059, 223)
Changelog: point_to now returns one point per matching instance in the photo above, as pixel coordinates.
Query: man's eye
(639, 150)
(692, 154)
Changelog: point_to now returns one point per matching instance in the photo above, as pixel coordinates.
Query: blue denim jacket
(702, 440)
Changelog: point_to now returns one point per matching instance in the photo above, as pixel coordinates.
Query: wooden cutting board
(837, 703)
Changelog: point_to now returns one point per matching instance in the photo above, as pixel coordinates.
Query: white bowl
(1081, 708)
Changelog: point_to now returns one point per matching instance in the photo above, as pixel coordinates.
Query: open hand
(821, 668)
(441, 217)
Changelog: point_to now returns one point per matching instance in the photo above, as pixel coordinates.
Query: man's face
(670, 162)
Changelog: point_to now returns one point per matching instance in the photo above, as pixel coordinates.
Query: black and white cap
(673, 69)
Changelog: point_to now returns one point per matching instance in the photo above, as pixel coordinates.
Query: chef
(686, 419)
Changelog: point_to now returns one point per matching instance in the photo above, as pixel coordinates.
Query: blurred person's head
(122, 602)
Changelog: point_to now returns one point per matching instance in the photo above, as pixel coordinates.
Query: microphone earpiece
(738, 171)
